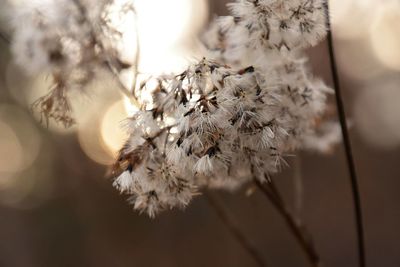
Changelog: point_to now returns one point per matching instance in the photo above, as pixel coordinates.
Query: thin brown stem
(5, 38)
(298, 187)
(235, 230)
(137, 58)
(109, 65)
(296, 228)
(122, 86)
(347, 145)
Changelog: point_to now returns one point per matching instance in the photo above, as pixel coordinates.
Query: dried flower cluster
(230, 117)
(71, 40)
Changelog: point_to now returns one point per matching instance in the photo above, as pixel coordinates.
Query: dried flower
(230, 117)
(227, 126)
(69, 39)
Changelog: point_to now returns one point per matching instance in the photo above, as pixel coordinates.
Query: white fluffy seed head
(221, 122)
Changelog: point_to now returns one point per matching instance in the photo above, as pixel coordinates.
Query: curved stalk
(347, 146)
(295, 226)
(5, 38)
(235, 230)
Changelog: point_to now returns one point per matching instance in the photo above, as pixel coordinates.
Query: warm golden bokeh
(385, 35)
(113, 132)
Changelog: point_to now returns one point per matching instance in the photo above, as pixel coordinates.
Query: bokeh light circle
(385, 35)
(376, 113)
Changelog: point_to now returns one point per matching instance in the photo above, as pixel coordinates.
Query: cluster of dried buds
(229, 118)
(72, 40)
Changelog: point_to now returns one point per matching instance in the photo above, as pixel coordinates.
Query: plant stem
(294, 224)
(298, 187)
(5, 38)
(109, 65)
(347, 146)
(137, 57)
(235, 230)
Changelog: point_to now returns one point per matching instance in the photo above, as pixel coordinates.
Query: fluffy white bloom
(203, 165)
(241, 127)
(228, 118)
(72, 40)
(51, 35)
(240, 113)
(124, 182)
(323, 140)
(279, 24)
(261, 28)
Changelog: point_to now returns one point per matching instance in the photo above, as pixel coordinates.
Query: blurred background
(58, 208)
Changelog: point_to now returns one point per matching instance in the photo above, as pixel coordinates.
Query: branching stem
(295, 226)
(110, 67)
(235, 230)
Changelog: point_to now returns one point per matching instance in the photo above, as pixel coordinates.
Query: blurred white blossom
(70, 39)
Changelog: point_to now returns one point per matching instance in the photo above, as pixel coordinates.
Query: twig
(5, 38)
(298, 187)
(295, 226)
(122, 86)
(110, 67)
(234, 229)
(347, 146)
(137, 58)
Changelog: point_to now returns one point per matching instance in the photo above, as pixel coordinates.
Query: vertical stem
(294, 225)
(347, 146)
(235, 230)
(298, 187)
(137, 58)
